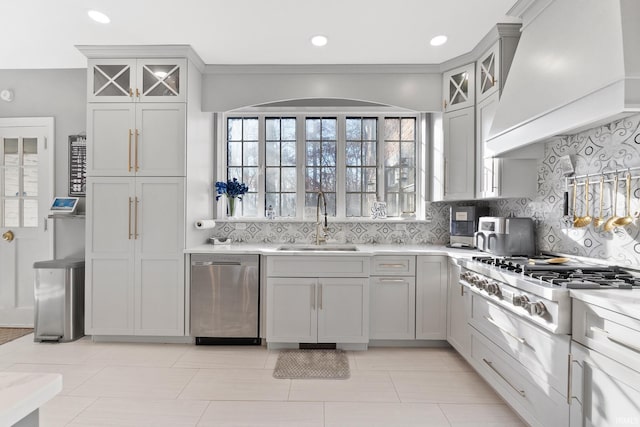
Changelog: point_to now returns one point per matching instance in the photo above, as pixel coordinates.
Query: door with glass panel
(26, 187)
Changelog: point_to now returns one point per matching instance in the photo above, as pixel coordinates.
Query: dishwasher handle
(208, 263)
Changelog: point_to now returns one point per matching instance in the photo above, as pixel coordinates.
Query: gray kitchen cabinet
(458, 312)
(137, 80)
(459, 155)
(458, 88)
(393, 297)
(317, 299)
(431, 297)
(134, 256)
(136, 140)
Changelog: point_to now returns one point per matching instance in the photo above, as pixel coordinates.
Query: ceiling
(43, 33)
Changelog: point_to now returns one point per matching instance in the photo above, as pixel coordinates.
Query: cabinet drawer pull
(503, 329)
(569, 383)
(130, 234)
(129, 153)
(135, 225)
(393, 280)
(313, 298)
(461, 290)
(320, 297)
(393, 265)
(136, 153)
(490, 364)
(617, 340)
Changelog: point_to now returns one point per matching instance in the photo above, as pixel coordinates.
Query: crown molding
(323, 69)
(142, 51)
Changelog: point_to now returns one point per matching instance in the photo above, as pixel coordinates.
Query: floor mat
(10, 334)
(312, 364)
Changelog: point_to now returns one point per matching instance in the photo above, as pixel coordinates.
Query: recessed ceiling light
(319, 41)
(98, 17)
(438, 40)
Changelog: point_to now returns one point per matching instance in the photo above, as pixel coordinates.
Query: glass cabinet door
(459, 88)
(111, 80)
(162, 80)
(488, 72)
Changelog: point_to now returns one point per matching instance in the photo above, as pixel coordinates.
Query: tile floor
(140, 385)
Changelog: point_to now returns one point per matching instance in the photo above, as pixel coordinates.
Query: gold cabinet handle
(444, 104)
(135, 224)
(137, 93)
(8, 236)
(130, 92)
(130, 234)
(129, 156)
(136, 153)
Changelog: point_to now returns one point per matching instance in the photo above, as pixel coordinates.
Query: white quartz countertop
(623, 301)
(23, 393)
(363, 250)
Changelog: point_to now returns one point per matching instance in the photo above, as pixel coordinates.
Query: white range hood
(577, 65)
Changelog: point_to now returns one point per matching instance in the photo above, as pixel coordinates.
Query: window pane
(354, 204)
(11, 152)
(30, 151)
(329, 129)
(354, 154)
(234, 129)
(289, 179)
(313, 153)
(328, 153)
(392, 129)
(288, 156)
(408, 154)
(234, 173)
(272, 183)
(11, 213)
(354, 180)
(312, 180)
(310, 203)
(313, 129)
(30, 182)
(272, 153)
(272, 128)
(234, 153)
(370, 176)
(250, 129)
(392, 204)
(288, 205)
(408, 129)
(369, 129)
(30, 214)
(11, 182)
(249, 205)
(250, 153)
(407, 203)
(250, 178)
(369, 157)
(354, 129)
(288, 129)
(328, 179)
(391, 154)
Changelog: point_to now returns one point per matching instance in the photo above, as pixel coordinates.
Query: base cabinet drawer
(538, 406)
(544, 355)
(317, 266)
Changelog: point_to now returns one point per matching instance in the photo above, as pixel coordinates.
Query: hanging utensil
(585, 220)
(600, 220)
(575, 199)
(610, 224)
(626, 220)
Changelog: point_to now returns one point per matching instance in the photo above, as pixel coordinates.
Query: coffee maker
(463, 224)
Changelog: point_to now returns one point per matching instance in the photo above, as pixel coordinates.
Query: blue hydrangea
(232, 188)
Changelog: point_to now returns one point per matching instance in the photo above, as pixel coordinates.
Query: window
(354, 160)
(19, 168)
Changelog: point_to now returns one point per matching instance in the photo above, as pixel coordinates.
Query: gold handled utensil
(610, 224)
(600, 219)
(583, 221)
(627, 219)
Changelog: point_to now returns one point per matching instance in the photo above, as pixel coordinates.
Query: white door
(26, 189)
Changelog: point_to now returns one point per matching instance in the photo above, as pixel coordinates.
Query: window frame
(421, 166)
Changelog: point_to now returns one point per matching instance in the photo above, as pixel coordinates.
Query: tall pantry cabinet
(137, 118)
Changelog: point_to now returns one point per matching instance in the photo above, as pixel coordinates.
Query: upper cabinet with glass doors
(488, 72)
(137, 80)
(459, 88)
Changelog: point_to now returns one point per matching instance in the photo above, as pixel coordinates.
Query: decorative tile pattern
(609, 147)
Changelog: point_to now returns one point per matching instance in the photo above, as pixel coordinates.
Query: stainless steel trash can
(59, 300)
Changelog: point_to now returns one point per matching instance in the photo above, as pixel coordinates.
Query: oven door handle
(503, 329)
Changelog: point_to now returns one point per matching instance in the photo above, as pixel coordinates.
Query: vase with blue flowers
(233, 189)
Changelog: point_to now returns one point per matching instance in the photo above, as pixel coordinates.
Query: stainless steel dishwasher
(225, 298)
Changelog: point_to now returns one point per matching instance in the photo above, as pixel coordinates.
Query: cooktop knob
(482, 284)
(537, 308)
(493, 288)
(521, 300)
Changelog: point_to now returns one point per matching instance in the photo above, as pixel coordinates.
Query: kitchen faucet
(319, 225)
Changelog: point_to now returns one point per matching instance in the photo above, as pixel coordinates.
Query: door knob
(8, 236)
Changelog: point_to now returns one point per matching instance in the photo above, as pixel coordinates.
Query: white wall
(60, 94)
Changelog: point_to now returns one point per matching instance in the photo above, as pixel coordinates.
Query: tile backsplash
(609, 147)
(614, 146)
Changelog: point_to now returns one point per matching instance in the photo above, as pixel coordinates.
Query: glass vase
(231, 207)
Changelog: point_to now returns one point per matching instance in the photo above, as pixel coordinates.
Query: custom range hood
(577, 66)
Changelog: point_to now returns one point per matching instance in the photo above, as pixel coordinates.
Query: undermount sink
(321, 248)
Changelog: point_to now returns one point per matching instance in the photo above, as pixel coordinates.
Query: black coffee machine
(463, 224)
